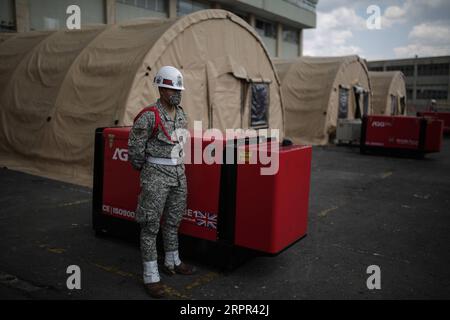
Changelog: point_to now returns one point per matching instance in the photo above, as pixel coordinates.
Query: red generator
(410, 136)
(444, 116)
(232, 210)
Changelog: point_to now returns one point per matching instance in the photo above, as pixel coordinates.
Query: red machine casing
(272, 210)
(121, 188)
(200, 220)
(402, 133)
(444, 116)
(232, 203)
(120, 181)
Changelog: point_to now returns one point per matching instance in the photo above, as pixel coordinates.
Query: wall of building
(50, 14)
(279, 23)
(426, 79)
(7, 18)
(185, 7)
(131, 9)
(291, 43)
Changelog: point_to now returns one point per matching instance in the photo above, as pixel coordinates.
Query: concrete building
(280, 23)
(426, 79)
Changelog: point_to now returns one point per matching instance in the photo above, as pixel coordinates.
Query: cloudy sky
(407, 28)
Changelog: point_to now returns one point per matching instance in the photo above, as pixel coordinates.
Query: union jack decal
(206, 219)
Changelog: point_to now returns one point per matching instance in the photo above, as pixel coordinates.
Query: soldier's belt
(164, 161)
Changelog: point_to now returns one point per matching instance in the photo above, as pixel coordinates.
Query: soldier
(433, 106)
(163, 182)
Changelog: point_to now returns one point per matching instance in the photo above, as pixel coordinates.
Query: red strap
(158, 122)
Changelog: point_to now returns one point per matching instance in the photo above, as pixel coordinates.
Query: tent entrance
(259, 105)
(361, 101)
(394, 105)
(343, 102)
(402, 105)
(366, 103)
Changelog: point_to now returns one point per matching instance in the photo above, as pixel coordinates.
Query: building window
(153, 5)
(268, 32)
(409, 94)
(133, 9)
(429, 94)
(290, 35)
(51, 15)
(266, 29)
(435, 69)
(291, 43)
(408, 71)
(185, 7)
(375, 68)
(241, 14)
(7, 19)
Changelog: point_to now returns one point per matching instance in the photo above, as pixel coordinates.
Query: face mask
(175, 99)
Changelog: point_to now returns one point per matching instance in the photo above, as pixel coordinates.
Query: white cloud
(394, 12)
(412, 50)
(333, 32)
(436, 33)
(392, 15)
(339, 27)
(427, 39)
(422, 10)
(342, 18)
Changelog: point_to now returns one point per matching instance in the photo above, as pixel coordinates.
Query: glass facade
(185, 7)
(134, 9)
(291, 43)
(51, 15)
(407, 70)
(431, 81)
(433, 69)
(268, 34)
(428, 94)
(7, 20)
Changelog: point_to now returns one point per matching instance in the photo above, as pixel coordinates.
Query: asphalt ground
(365, 210)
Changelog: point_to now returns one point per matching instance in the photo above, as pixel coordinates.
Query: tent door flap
(259, 105)
(343, 103)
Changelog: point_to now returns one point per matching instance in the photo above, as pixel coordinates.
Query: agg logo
(380, 124)
(120, 154)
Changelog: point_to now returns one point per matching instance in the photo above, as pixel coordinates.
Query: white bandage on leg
(151, 273)
(172, 259)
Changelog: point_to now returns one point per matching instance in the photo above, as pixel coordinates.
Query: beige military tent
(57, 87)
(388, 92)
(319, 91)
(6, 36)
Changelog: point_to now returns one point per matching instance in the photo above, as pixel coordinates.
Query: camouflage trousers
(160, 200)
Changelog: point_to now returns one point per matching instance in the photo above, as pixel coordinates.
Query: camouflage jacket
(141, 145)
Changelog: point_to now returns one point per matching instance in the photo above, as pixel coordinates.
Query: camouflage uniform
(164, 188)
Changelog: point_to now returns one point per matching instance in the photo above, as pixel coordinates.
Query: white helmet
(169, 77)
